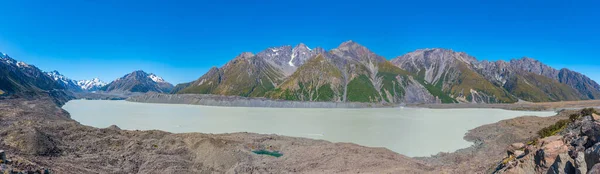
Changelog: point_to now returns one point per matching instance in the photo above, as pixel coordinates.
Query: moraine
(409, 131)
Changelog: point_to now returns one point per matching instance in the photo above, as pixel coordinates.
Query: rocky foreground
(570, 146)
(37, 135)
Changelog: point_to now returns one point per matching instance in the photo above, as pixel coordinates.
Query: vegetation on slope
(360, 89)
(538, 88)
(469, 79)
(316, 80)
(243, 76)
(391, 84)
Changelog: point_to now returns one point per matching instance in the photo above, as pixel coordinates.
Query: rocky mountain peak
(351, 46)
(528, 64)
(351, 50)
(245, 55)
(302, 46)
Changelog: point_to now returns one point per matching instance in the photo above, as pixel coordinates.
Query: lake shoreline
(236, 101)
(377, 127)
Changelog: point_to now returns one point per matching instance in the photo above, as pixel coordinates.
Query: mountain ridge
(353, 73)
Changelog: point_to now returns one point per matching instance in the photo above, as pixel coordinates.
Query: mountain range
(348, 73)
(353, 73)
(76, 85)
(19, 79)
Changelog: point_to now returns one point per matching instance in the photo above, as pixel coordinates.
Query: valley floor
(38, 134)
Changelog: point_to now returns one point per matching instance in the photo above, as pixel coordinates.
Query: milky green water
(408, 131)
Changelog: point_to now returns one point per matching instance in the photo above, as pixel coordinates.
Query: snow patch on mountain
(156, 78)
(95, 83)
(290, 62)
(59, 77)
(22, 64)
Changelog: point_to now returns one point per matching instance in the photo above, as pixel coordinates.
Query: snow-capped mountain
(91, 85)
(139, 81)
(61, 79)
(76, 85)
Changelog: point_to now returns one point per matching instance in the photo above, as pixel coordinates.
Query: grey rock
(592, 155)
(580, 165)
(594, 169)
(592, 131)
(562, 165)
(579, 141)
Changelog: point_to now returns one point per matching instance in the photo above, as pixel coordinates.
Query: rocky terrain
(569, 146)
(138, 81)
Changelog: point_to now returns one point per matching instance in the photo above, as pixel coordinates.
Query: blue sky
(181, 41)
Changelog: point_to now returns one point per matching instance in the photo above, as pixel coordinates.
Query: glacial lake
(409, 131)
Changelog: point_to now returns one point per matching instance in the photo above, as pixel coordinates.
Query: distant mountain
(138, 81)
(23, 80)
(91, 85)
(76, 86)
(64, 81)
(353, 73)
(467, 80)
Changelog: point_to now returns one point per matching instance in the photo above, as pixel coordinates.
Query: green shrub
(553, 129)
(587, 111)
(574, 117)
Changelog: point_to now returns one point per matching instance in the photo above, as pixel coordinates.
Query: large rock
(580, 165)
(551, 148)
(592, 131)
(592, 155)
(562, 164)
(595, 169)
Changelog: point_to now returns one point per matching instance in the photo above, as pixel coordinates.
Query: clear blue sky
(181, 41)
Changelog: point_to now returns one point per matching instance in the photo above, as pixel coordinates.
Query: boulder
(551, 148)
(592, 131)
(595, 116)
(592, 156)
(595, 169)
(580, 165)
(563, 164)
(579, 141)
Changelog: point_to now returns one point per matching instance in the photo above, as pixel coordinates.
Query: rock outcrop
(573, 149)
